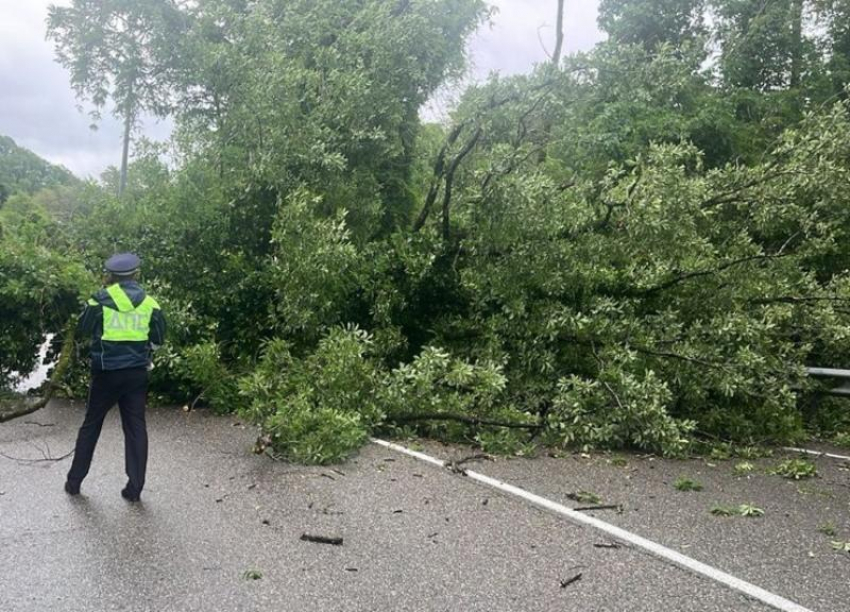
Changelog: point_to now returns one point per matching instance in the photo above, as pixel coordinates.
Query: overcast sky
(39, 111)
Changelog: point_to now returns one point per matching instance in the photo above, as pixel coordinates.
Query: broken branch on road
(617, 507)
(569, 581)
(42, 460)
(318, 539)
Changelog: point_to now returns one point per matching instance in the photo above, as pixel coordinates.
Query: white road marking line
(668, 554)
(806, 451)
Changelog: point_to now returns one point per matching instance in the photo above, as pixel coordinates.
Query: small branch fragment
(559, 39)
(321, 539)
(438, 416)
(617, 507)
(475, 457)
(569, 581)
(44, 460)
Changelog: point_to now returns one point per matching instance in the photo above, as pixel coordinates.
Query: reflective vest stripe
(120, 298)
(128, 323)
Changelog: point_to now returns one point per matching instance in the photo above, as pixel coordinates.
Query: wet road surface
(213, 516)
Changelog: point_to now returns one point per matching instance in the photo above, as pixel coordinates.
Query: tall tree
(834, 18)
(118, 50)
(319, 92)
(763, 43)
(559, 34)
(652, 22)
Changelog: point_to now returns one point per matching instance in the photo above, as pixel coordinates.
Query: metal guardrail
(842, 389)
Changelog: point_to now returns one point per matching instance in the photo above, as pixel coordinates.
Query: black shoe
(129, 496)
(72, 488)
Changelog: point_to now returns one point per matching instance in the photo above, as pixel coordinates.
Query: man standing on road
(125, 324)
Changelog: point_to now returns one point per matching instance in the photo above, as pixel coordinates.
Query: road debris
(617, 507)
(584, 497)
(318, 539)
(569, 581)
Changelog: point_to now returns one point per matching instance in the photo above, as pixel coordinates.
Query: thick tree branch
(450, 174)
(440, 416)
(440, 162)
(29, 406)
(679, 357)
(683, 277)
(559, 35)
(439, 172)
(794, 299)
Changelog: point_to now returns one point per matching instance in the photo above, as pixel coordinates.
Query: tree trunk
(125, 153)
(559, 35)
(556, 63)
(796, 46)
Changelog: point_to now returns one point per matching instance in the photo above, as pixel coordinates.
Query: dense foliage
(41, 277)
(41, 283)
(22, 170)
(631, 246)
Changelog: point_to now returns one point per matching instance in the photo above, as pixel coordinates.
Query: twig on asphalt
(321, 539)
(43, 460)
(475, 457)
(569, 581)
(454, 466)
(617, 507)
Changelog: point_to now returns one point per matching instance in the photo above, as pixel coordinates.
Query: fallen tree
(16, 407)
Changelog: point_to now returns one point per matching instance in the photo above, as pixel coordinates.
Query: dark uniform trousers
(129, 389)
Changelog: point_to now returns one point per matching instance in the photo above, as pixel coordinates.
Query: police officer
(124, 323)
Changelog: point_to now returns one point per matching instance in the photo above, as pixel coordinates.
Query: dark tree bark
(796, 19)
(125, 152)
(439, 172)
(450, 175)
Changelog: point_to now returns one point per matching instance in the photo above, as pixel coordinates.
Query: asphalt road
(415, 537)
(785, 551)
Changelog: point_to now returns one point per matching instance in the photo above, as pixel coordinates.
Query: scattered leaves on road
(795, 469)
(841, 546)
(584, 497)
(828, 529)
(743, 468)
(746, 510)
(686, 484)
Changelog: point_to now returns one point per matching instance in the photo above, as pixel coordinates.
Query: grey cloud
(523, 33)
(38, 108)
(520, 35)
